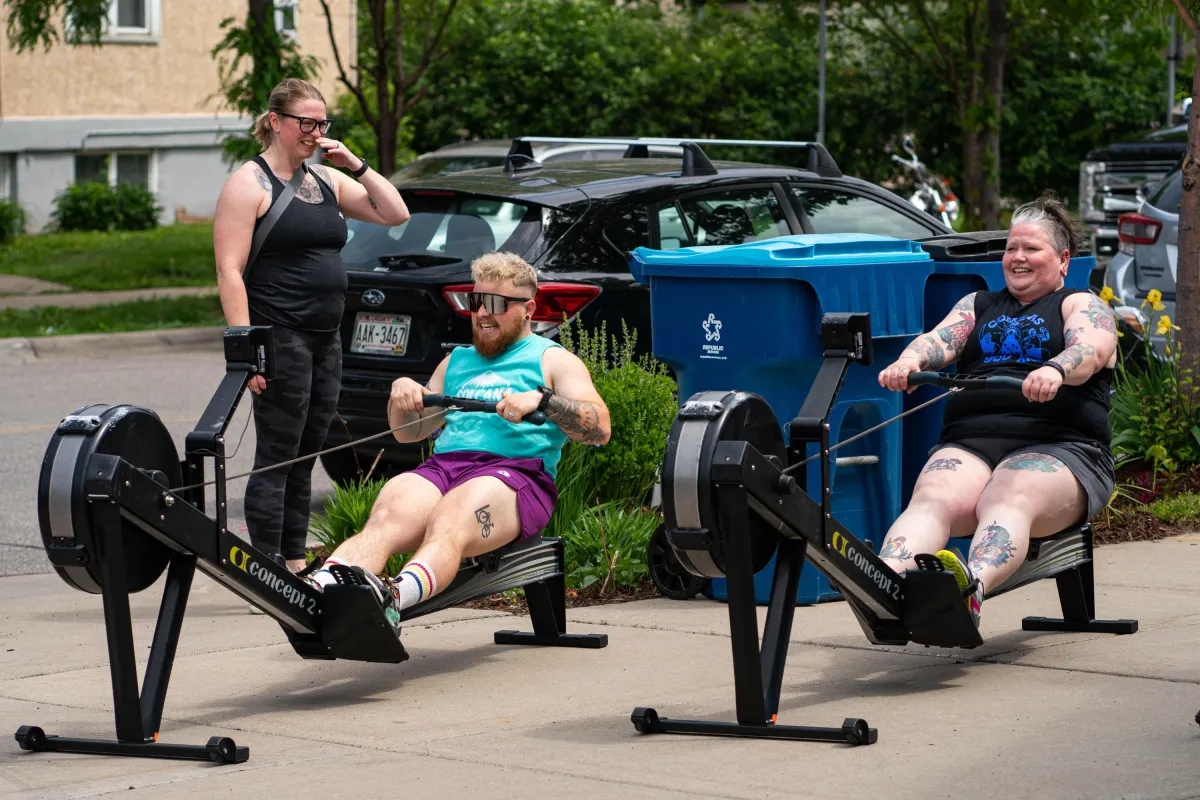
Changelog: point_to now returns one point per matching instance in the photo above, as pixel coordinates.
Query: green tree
(399, 41)
(1187, 277)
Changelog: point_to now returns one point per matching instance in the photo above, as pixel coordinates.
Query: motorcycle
(933, 194)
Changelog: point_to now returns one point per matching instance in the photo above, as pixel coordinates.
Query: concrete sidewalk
(1029, 715)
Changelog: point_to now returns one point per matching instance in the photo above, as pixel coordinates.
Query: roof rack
(695, 162)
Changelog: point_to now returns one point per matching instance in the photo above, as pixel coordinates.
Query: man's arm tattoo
(578, 419)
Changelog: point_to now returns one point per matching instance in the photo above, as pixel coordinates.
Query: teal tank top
(517, 369)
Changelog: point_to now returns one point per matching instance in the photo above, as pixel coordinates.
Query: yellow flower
(1165, 325)
(1107, 295)
(1154, 298)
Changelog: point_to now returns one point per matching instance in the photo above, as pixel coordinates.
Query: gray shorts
(1091, 463)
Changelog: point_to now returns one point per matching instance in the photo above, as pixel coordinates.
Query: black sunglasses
(308, 124)
(494, 303)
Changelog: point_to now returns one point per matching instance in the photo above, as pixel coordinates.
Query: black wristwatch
(359, 172)
(546, 395)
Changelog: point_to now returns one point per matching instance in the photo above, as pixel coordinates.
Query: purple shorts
(536, 492)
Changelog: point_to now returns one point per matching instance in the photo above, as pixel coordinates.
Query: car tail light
(1134, 229)
(554, 301)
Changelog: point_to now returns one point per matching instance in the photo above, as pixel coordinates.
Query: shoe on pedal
(385, 591)
(970, 586)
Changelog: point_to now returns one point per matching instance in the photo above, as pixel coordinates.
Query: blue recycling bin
(963, 263)
(748, 317)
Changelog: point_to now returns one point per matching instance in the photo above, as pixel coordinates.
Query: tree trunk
(385, 134)
(993, 100)
(973, 178)
(265, 55)
(1187, 277)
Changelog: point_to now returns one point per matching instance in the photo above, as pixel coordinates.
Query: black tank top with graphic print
(1014, 339)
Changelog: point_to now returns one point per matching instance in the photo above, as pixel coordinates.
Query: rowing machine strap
(273, 214)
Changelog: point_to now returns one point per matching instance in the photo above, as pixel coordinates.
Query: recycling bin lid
(974, 246)
(776, 257)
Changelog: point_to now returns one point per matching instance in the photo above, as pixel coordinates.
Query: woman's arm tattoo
(1076, 352)
(934, 350)
(578, 419)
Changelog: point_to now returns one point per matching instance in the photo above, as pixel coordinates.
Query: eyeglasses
(494, 303)
(308, 124)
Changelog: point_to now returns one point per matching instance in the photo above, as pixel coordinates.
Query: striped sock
(417, 583)
(323, 577)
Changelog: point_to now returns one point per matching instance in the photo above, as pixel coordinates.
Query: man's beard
(495, 346)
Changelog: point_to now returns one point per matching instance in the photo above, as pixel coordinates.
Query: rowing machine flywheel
(138, 436)
(689, 504)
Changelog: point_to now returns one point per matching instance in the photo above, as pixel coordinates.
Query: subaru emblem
(373, 297)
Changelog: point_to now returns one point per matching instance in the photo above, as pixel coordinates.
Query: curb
(23, 350)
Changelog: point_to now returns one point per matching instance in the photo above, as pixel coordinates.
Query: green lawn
(179, 312)
(173, 255)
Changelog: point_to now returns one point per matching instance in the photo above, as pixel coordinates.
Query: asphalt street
(35, 397)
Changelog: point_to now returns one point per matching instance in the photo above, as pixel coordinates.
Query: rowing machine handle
(964, 381)
(467, 404)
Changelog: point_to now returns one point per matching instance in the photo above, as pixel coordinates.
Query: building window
(133, 169)
(285, 18)
(133, 21)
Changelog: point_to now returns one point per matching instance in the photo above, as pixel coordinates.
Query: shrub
(12, 220)
(607, 546)
(346, 512)
(98, 207)
(1154, 413)
(640, 396)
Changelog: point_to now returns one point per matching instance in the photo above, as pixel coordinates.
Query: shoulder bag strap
(273, 214)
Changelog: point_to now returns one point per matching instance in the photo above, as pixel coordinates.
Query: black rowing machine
(115, 513)
(731, 502)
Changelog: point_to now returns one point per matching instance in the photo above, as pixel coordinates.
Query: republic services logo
(712, 328)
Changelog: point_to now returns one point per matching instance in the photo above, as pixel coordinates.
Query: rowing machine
(730, 504)
(115, 513)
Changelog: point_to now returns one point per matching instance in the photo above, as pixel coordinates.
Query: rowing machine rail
(114, 515)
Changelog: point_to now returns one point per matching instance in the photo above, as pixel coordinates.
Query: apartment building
(143, 107)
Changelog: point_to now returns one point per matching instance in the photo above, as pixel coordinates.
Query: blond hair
(285, 94)
(500, 267)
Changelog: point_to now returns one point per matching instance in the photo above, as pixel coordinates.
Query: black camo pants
(291, 418)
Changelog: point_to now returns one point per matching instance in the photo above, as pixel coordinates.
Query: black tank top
(299, 280)
(1011, 338)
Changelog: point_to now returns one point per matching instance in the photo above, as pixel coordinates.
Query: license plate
(377, 333)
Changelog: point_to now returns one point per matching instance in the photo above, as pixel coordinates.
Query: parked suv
(1112, 179)
(575, 222)
(1147, 254)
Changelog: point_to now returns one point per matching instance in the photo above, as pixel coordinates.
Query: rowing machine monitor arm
(846, 339)
(249, 351)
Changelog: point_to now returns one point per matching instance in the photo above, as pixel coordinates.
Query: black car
(575, 223)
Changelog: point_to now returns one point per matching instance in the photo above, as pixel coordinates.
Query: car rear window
(1168, 194)
(445, 165)
(443, 226)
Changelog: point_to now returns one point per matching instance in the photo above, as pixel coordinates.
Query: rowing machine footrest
(935, 612)
(307, 645)
(355, 628)
(591, 641)
(1117, 626)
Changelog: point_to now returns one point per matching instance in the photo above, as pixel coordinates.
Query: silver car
(1147, 255)
(491, 152)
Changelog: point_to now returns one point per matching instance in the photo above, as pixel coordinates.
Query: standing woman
(296, 284)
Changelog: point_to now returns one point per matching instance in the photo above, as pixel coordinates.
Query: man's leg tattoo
(484, 518)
